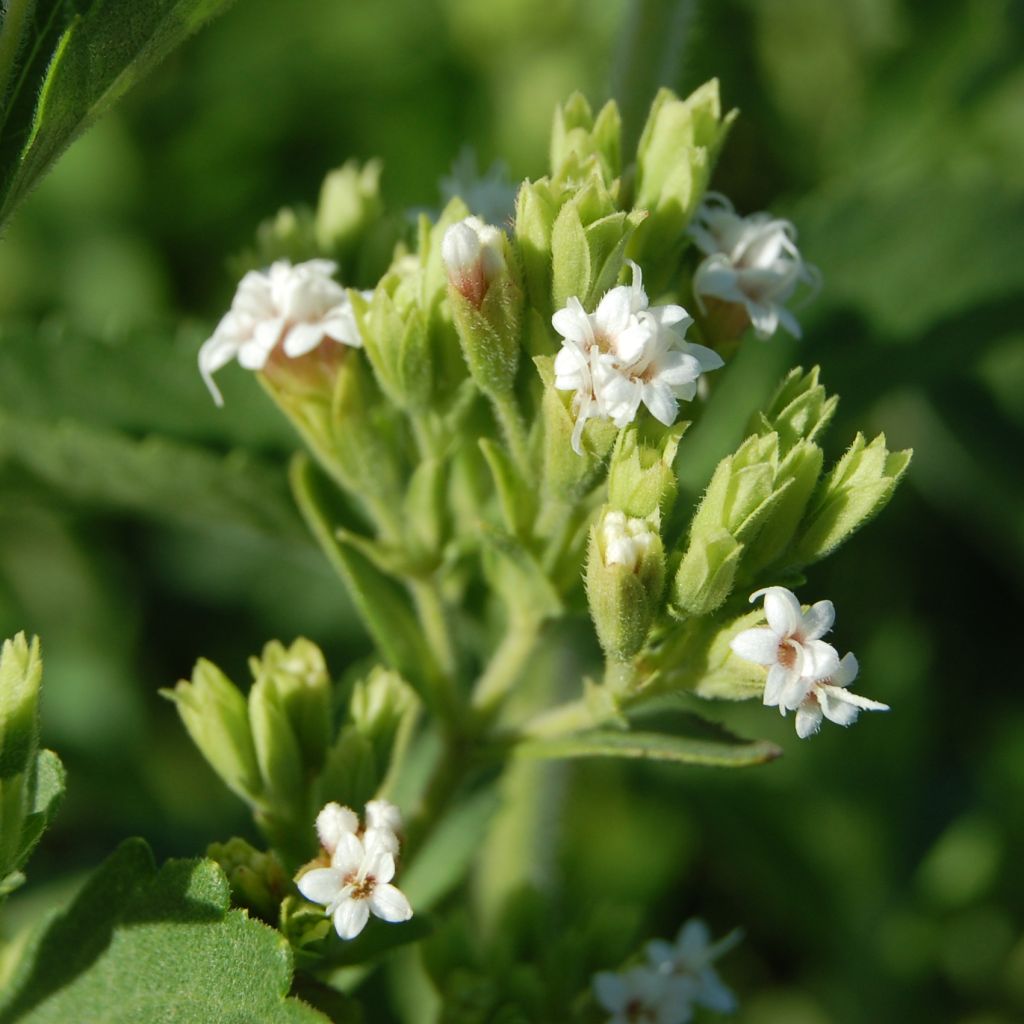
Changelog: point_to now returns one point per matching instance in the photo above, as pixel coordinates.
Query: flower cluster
(676, 977)
(751, 262)
(627, 353)
(361, 866)
(805, 674)
(296, 307)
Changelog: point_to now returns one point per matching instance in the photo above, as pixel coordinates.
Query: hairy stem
(505, 666)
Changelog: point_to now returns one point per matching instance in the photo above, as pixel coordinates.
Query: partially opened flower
(333, 822)
(830, 698)
(626, 354)
(790, 646)
(691, 957)
(293, 309)
(357, 883)
(384, 818)
(749, 261)
(473, 254)
(643, 995)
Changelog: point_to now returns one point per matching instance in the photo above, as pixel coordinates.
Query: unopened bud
(473, 256)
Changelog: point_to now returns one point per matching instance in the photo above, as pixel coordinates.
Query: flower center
(362, 889)
(786, 654)
(637, 1010)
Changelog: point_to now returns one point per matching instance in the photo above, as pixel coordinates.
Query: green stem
(573, 716)
(445, 780)
(433, 616)
(506, 409)
(505, 666)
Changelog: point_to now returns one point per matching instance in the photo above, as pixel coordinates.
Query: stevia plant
(488, 434)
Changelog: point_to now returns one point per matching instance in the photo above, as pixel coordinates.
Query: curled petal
(781, 608)
(818, 620)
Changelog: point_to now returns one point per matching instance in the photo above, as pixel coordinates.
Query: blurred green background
(875, 872)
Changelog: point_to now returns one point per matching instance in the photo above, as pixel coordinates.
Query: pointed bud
(473, 254)
(258, 881)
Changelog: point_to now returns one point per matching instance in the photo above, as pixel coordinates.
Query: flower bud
(215, 715)
(625, 576)
(486, 302)
(579, 143)
(378, 707)
(641, 480)
(21, 671)
(706, 574)
(799, 409)
(258, 881)
(350, 202)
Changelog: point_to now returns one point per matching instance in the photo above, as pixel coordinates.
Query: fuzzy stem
(506, 410)
(505, 666)
(433, 616)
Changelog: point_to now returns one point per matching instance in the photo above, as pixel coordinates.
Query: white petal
(808, 718)
(713, 994)
(611, 991)
(818, 660)
(614, 311)
(692, 940)
(837, 694)
(678, 368)
(661, 954)
(389, 904)
(817, 620)
(379, 861)
(707, 358)
(782, 610)
(765, 318)
(348, 855)
(794, 691)
(350, 918)
(661, 402)
(302, 338)
(215, 353)
(321, 885)
(775, 684)
(573, 323)
(759, 645)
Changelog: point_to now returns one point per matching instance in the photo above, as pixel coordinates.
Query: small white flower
(357, 883)
(830, 699)
(790, 646)
(642, 995)
(473, 254)
(690, 957)
(333, 822)
(752, 261)
(295, 307)
(625, 541)
(626, 354)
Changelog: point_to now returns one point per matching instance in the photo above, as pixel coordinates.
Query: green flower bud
(625, 577)
(725, 675)
(379, 705)
(537, 206)
(799, 409)
(675, 157)
(641, 481)
(289, 235)
(298, 677)
(215, 715)
(579, 142)
(21, 672)
(707, 573)
(350, 202)
(588, 245)
(486, 303)
(258, 881)
(857, 489)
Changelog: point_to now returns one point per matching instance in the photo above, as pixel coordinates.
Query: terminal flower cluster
(676, 977)
(805, 674)
(750, 261)
(361, 866)
(294, 307)
(625, 354)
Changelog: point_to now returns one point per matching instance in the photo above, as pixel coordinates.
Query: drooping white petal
(321, 885)
(760, 645)
(775, 684)
(350, 918)
(781, 609)
(838, 694)
(660, 402)
(808, 718)
(847, 671)
(389, 904)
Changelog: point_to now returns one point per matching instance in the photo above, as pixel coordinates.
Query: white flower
(625, 541)
(790, 645)
(642, 995)
(829, 698)
(627, 353)
(297, 307)
(473, 254)
(333, 822)
(357, 883)
(690, 957)
(752, 261)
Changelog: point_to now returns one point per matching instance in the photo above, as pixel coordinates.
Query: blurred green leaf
(141, 944)
(78, 58)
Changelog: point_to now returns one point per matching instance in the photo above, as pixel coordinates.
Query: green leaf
(168, 480)
(516, 500)
(515, 574)
(138, 944)
(47, 792)
(703, 744)
(77, 60)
